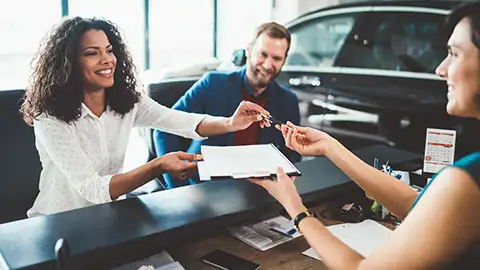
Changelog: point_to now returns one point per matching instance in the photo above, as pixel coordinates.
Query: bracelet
(301, 216)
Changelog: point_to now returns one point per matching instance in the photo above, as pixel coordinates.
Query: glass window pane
(181, 32)
(317, 43)
(128, 15)
(403, 42)
(22, 28)
(237, 21)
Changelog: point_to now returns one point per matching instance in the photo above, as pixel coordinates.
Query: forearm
(395, 195)
(333, 252)
(123, 183)
(214, 125)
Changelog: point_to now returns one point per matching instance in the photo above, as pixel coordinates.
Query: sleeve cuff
(104, 193)
(196, 119)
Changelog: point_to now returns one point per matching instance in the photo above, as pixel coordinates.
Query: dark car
(364, 73)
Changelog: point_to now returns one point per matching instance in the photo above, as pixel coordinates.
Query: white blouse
(80, 158)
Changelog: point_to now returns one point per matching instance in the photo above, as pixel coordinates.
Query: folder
(241, 162)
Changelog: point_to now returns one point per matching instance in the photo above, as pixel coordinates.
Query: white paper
(244, 161)
(405, 176)
(311, 253)
(203, 173)
(363, 237)
(259, 234)
(439, 149)
(163, 258)
(171, 266)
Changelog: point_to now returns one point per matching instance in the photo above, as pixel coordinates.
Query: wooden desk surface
(287, 256)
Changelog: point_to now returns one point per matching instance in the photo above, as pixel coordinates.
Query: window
(181, 32)
(237, 21)
(399, 41)
(317, 43)
(22, 28)
(126, 14)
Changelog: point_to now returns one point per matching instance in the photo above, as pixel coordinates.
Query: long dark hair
(470, 11)
(56, 83)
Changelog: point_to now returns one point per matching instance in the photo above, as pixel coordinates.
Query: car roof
(443, 4)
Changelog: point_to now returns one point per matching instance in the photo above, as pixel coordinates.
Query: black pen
(273, 120)
(290, 233)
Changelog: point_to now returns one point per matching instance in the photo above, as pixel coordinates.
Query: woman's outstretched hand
(283, 189)
(305, 140)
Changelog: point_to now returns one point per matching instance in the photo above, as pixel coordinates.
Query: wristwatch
(301, 216)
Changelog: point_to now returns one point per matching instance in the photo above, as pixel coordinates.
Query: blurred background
(163, 35)
(160, 33)
(363, 72)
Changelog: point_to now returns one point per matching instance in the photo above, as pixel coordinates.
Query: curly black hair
(56, 83)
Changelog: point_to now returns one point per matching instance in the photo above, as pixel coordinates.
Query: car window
(398, 41)
(316, 43)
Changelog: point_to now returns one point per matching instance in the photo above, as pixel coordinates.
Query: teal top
(471, 165)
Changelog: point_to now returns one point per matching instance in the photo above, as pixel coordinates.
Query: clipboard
(242, 162)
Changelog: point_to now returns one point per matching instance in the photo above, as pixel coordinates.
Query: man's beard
(257, 79)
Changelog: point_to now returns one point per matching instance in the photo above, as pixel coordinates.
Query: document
(243, 161)
(162, 261)
(363, 237)
(203, 173)
(171, 266)
(439, 149)
(266, 233)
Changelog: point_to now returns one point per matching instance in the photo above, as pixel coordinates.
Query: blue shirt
(219, 94)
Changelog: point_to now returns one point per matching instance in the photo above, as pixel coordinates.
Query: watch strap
(301, 216)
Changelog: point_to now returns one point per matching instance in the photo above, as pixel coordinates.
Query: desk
(287, 256)
(111, 234)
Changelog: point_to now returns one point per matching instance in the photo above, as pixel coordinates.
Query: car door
(316, 41)
(387, 71)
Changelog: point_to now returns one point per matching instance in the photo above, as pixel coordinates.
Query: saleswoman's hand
(283, 189)
(305, 140)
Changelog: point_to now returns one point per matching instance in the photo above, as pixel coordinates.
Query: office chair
(19, 161)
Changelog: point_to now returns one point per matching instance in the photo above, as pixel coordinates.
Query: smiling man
(219, 93)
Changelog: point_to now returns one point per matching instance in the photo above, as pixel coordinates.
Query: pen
(273, 120)
(290, 233)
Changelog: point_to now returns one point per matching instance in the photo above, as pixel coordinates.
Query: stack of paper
(170, 266)
(244, 161)
(363, 237)
(265, 234)
(161, 261)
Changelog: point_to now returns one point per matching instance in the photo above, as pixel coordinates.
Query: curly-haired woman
(82, 103)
